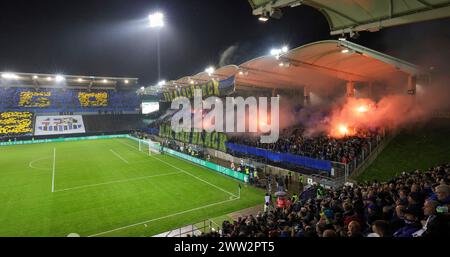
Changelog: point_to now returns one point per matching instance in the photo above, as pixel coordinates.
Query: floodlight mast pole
(157, 22)
(159, 52)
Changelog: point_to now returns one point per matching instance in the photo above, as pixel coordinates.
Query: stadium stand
(413, 204)
(19, 105)
(297, 151)
(67, 100)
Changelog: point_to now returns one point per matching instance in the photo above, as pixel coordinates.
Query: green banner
(209, 165)
(214, 140)
(210, 88)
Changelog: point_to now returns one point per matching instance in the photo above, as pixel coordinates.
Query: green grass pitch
(108, 188)
(419, 147)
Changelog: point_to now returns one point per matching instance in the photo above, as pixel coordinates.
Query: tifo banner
(93, 99)
(210, 88)
(57, 125)
(35, 99)
(214, 140)
(15, 123)
(282, 157)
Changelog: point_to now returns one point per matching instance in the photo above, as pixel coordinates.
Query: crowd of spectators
(323, 147)
(411, 205)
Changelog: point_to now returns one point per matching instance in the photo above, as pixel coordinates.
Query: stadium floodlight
(9, 75)
(35, 77)
(345, 51)
(126, 81)
(210, 70)
(59, 78)
(49, 78)
(105, 81)
(275, 52)
(162, 83)
(156, 20)
(263, 18)
(80, 80)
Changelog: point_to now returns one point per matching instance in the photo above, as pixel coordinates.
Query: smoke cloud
(228, 56)
(349, 115)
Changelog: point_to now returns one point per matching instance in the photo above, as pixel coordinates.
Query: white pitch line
(164, 217)
(117, 181)
(120, 157)
(132, 146)
(37, 168)
(54, 166)
(223, 190)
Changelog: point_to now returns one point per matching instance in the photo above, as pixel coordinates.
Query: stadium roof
(317, 65)
(12, 79)
(349, 16)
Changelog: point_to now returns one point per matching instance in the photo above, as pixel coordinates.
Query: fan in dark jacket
(412, 224)
(436, 224)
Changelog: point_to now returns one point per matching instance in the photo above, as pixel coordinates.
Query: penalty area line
(118, 156)
(184, 171)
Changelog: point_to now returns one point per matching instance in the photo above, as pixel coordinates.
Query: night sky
(112, 37)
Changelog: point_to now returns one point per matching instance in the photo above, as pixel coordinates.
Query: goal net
(149, 147)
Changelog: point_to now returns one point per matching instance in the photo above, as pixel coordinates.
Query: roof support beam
(322, 7)
(391, 8)
(284, 3)
(425, 3)
(327, 69)
(427, 15)
(399, 64)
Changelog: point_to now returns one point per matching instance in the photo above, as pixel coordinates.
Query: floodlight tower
(157, 22)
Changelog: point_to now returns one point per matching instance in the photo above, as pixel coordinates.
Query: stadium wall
(54, 140)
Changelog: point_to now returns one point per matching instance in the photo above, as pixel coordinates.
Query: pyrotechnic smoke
(392, 112)
(347, 116)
